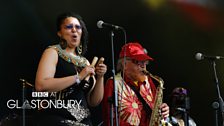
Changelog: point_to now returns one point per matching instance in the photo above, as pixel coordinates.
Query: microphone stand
(215, 106)
(24, 84)
(23, 100)
(114, 99)
(221, 104)
(187, 107)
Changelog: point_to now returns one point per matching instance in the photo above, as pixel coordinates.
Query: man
(136, 89)
(179, 103)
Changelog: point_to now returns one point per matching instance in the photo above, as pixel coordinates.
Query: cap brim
(142, 57)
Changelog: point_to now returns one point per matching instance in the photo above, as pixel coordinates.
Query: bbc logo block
(40, 94)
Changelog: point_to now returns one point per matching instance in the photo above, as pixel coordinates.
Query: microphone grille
(199, 56)
(100, 24)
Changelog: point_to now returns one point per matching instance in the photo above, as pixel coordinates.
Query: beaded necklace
(78, 61)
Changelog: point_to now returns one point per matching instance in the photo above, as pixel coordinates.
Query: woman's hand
(88, 70)
(100, 69)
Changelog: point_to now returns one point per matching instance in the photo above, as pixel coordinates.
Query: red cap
(135, 51)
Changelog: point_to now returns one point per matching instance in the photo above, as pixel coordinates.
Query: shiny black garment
(62, 116)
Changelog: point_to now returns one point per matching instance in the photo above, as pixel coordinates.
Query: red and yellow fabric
(130, 108)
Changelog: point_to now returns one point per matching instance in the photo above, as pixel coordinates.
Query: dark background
(172, 32)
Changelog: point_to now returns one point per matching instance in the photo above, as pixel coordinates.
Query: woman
(63, 69)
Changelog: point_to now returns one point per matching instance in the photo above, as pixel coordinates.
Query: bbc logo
(40, 94)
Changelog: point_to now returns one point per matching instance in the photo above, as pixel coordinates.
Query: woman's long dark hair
(84, 37)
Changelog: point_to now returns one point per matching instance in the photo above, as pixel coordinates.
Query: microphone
(101, 24)
(200, 56)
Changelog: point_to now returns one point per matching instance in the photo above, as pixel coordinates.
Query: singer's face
(133, 69)
(71, 31)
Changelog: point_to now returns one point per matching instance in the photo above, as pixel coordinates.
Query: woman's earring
(79, 49)
(63, 43)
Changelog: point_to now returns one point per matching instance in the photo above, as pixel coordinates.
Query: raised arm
(45, 80)
(96, 96)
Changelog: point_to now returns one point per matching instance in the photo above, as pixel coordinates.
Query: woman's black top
(71, 104)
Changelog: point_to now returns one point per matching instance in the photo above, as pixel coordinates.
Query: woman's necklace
(71, 58)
